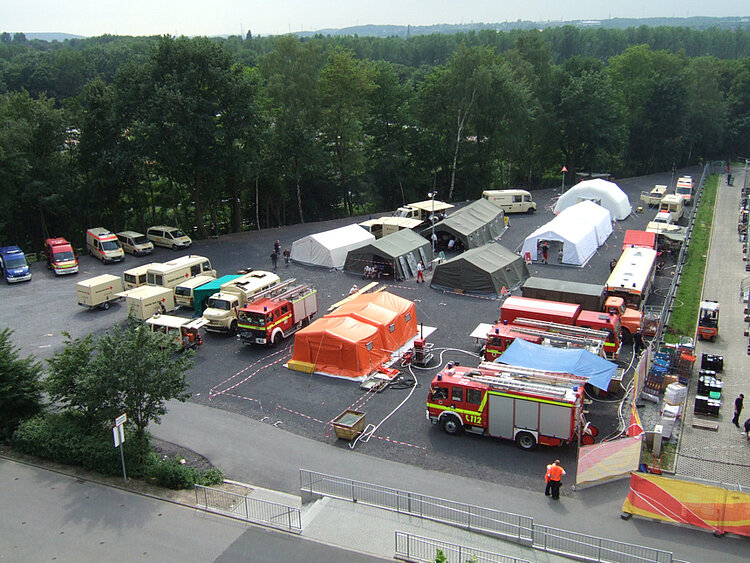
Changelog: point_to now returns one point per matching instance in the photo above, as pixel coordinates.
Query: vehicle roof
(672, 198)
(141, 269)
(508, 191)
(428, 205)
(10, 249)
(148, 291)
(540, 305)
(165, 228)
(56, 241)
(100, 232)
(195, 281)
(104, 278)
(131, 234)
(633, 268)
(169, 321)
(180, 262)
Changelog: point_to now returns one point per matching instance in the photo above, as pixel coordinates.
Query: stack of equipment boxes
(708, 396)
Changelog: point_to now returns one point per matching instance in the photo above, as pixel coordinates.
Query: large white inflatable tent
(607, 194)
(329, 248)
(593, 214)
(577, 239)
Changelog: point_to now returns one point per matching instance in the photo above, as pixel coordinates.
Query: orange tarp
(394, 317)
(674, 500)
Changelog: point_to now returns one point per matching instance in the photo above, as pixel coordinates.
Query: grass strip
(687, 300)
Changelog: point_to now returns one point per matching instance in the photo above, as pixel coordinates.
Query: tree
(20, 387)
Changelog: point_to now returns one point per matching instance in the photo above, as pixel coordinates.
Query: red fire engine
(566, 314)
(277, 313)
(544, 333)
(522, 404)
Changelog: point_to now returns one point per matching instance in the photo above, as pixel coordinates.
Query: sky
(274, 17)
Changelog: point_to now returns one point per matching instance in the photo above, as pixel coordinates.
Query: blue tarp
(575, 361)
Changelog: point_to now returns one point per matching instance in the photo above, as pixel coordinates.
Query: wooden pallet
(707, 424)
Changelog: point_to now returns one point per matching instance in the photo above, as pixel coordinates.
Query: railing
(513, 527)
(590, 548)
(417, 548)
(485, 520)
(258, 511)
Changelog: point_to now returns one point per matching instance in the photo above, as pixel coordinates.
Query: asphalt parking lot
(253, 382)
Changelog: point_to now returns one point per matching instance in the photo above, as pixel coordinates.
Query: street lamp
(432, 195)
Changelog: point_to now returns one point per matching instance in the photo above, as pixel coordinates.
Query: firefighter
(553, 477)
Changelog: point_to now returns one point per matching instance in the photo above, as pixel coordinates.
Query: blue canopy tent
(575, 361)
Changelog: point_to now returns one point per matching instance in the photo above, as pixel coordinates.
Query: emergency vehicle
(543, 333)
(572, 314)
(525, 405)
(277, 313)
(60, 256)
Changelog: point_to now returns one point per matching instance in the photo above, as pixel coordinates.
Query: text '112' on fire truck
(525, 405)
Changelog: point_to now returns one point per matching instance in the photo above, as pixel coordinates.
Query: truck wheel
(713, 338)
(105, 305)
(233, 328)
(530, 210)
(451, 425)
(627, 338)
(526, 441)
(174, 247)
(276, 340)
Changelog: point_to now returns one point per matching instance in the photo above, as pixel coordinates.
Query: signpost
(119, 434)
(562, 188)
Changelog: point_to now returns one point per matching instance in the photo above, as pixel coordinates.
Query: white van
(168, 237)
(103, 245)
(135, 243)
(172, 273)
(183, 293)
(673, 204)
(511, 201)
(136, 277)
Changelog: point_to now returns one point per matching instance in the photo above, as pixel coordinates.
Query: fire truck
(277, 313)
(544, 333)
(567, 314)
(525, 405)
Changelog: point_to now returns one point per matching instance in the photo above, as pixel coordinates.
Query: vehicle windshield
(177, 233)
(140, 240)
(683, 189)
(130, 278)
(256, 319)
(13, 262)
(110, 245)
(221, 304)
(183, 291)
(64, 256)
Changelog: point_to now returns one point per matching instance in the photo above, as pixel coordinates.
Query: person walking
(738, 404)
(612, 264)
(274, 259)
(277, 247)
(420, 272)
(287, 256)
(554, 477)
(545, 253)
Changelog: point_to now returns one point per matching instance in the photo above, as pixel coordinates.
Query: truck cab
(674, 205)
(631, 320)
(500, 337)
(654, 197)
(13, 265)
(60, 256)
(511, 201)
(684, 189)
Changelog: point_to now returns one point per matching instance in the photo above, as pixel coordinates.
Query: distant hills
(406, 31)
(52, 36)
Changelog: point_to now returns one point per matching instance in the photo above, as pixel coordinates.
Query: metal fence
(485, 520)
(417, 548)
(258, 511)
(590, 548)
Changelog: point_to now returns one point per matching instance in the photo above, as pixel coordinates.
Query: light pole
(562, 188)
(432, 195)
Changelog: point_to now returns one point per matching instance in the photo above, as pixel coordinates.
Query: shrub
(171, 473)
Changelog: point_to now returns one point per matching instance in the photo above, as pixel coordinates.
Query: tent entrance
(554, 251)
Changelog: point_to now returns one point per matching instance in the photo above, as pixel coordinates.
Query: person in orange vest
(553, 477)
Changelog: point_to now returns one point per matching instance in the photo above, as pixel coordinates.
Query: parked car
(168, 237)
(135, 243)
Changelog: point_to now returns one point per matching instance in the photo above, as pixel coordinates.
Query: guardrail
(506, 525)
(590, 548)
(410, 547)
(287, 518)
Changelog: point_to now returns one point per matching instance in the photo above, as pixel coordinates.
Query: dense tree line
(257, 132)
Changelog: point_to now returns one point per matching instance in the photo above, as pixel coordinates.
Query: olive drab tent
(356, 339)
(607, 194)
(329, 248)
(396, 255)
(472, 226)
(481, 271)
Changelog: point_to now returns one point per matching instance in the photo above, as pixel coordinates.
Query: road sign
(122, 419)
(119, 434)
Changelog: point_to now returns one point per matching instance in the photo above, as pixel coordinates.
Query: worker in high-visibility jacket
(553, 477)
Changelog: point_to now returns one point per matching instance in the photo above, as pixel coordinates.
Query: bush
(171, 473)
(65, 438)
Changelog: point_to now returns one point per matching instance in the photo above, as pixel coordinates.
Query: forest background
(255, 132)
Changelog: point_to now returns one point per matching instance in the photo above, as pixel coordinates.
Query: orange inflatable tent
(339, 347)
(394, 317)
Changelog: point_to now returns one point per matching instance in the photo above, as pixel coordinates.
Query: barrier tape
(212, 392)
(244, 398)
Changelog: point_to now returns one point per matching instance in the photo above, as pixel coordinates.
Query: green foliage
(173, 474)
(20, 387)
(684, 318)
(440, 557)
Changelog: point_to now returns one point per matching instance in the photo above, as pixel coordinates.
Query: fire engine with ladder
(526, 405)
(277, 313)
(545, 333)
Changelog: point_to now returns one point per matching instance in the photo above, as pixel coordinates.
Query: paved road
(52, 517)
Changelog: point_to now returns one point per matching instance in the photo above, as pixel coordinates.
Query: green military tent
(472, 226)
(395, 255)
(481, 271)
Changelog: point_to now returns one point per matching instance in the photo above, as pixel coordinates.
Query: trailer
(99, 292)
(531, 407)
(144, 301)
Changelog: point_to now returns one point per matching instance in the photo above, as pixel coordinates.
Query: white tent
(329, 248)
(578, 240)
(592, 214)
(607, 194)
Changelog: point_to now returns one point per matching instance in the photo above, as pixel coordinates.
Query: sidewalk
(722, 455)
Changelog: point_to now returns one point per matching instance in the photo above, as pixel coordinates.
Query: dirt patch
(161, 447)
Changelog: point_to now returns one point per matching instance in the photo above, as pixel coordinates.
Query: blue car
(13, 264)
